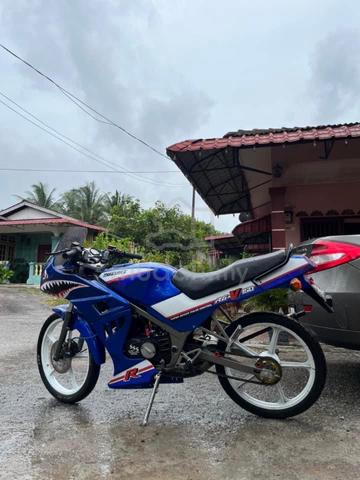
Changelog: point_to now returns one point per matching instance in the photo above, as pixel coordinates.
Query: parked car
(342, 282)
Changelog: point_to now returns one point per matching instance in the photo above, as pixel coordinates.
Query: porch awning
(225, 180)
(217, 177)
(225, 243)
(256, 231)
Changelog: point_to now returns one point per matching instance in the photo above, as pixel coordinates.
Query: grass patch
(52, 301)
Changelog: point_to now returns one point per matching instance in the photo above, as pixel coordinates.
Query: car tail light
(326, 254)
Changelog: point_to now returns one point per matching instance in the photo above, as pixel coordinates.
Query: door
(43, 252)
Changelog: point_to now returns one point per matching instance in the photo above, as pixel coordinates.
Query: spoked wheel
(72, 377)
(289, 367)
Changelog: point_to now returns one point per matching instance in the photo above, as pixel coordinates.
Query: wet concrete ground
(195, 433)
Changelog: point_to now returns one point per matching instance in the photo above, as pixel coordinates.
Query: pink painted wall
(325, 197)
(314, 182)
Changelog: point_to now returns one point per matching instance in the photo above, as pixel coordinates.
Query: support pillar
(278, 238)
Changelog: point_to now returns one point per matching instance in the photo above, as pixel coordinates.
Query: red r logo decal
(132, 373)
(235, 293)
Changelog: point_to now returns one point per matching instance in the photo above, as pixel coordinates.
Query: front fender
(96, 348)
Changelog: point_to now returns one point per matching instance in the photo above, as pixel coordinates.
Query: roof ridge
(266, 131)
(27, 203)
(253, 138)
(44, 221)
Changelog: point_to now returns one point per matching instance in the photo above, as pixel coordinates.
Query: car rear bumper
(341, 328)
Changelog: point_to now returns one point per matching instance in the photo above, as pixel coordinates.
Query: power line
(76, 100)
(51, 170)
(149, 181)
(57, 135)
(99, 158)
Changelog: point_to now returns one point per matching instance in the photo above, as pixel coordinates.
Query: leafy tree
(84, 203)
(170, 229)
(41, 195)
(124, 212)
(103, 240)
(162, 232)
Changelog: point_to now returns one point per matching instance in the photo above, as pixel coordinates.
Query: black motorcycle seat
(198, 285)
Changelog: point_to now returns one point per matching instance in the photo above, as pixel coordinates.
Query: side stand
(152, 398)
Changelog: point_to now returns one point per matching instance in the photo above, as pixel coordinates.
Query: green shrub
(5, 274)
(270, 301)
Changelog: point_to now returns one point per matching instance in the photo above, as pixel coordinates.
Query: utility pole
(193, 205)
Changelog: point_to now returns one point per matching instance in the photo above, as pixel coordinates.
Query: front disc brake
(63, 364)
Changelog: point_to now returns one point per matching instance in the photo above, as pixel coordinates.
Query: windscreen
(73, 234)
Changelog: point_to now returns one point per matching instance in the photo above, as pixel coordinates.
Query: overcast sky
(167, 71)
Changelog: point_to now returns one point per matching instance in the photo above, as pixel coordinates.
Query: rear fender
(317, 294)
(96, 348)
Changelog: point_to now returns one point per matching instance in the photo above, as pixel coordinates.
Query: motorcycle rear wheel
(283, 339)
(67, 383)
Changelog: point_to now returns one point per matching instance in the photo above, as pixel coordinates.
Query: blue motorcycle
(160, 325)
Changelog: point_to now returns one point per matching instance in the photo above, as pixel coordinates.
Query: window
(327, 226)
(7, 247)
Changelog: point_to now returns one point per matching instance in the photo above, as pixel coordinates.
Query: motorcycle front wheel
(72, 377)
(289, 365)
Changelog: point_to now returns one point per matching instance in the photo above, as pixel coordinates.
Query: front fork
(64, 330)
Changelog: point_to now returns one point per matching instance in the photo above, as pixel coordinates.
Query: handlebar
(118, 253)
(102, 257)
(128, 255)
(71, 253)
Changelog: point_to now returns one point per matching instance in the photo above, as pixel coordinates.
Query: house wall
(27, 213)
(315, 183)
(323, 198)
(27, 244)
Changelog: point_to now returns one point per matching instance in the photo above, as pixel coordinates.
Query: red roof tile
(246, 138)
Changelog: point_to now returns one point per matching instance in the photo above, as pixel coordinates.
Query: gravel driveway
(196, 432)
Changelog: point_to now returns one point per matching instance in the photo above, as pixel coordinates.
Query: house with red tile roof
(286, 184)
(28, 232)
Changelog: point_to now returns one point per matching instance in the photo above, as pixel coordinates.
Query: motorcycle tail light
(326, 254)
(308, 308)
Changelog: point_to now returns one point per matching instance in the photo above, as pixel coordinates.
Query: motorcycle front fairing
(100, 314)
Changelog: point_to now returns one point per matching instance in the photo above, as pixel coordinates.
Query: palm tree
(124, 203)
(112, 200)
(85, 203)
(40, 195)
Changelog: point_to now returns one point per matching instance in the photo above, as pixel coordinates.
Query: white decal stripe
(174, 306)
(295, 263)
(180, 304)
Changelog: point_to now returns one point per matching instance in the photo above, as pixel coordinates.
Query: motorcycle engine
(151, 343)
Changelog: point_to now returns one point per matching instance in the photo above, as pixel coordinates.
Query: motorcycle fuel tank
(142, 283)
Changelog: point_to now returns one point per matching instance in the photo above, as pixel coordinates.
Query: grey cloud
(156, 67)
(335, 76)
(104, 52)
